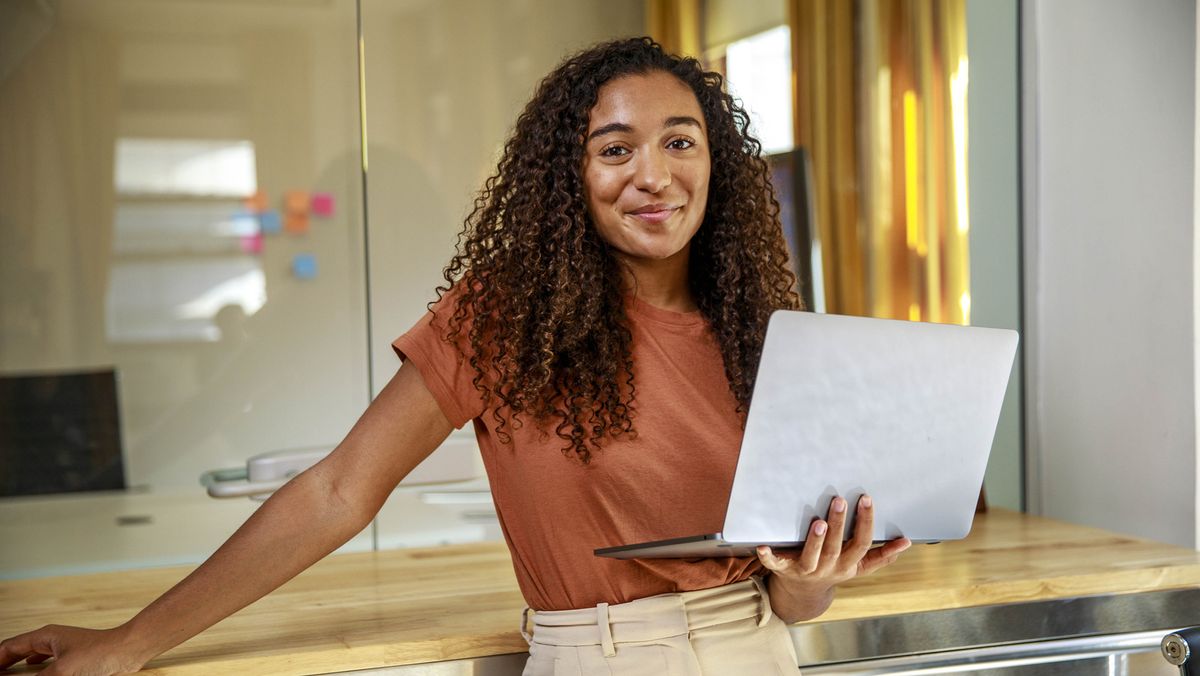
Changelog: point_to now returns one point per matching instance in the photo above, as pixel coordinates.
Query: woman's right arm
(312, 515)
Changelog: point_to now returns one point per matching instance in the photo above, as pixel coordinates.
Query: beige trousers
(719, 631)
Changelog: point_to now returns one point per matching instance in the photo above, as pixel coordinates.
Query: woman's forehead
(645, 100)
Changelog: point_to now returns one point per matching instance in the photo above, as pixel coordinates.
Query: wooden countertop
(357, 611)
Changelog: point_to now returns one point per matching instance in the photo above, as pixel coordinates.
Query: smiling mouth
(656, 213)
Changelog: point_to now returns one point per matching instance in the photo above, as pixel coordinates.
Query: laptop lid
(904, 411)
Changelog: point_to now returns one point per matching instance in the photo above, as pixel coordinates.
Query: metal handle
(996, 657)
(232, 483)
(263, 474)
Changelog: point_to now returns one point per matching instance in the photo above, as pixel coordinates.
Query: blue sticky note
(244, 224)
(269, 222)
(304, 266)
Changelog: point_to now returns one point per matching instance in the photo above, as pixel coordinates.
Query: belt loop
(606, 639)
(525, 626)
(764, 601)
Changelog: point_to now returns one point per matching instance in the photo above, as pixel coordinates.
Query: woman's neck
(661, 283)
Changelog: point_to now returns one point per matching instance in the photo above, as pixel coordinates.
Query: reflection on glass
(185, 167)
(179, 301)
(181, 257)
(172, 227)
(133, 134)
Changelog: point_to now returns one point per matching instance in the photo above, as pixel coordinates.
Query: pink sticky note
(322, 204)
(252, 244)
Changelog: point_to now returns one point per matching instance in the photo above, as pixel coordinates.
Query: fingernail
(839, 505)
(819, 529)
(865, 502)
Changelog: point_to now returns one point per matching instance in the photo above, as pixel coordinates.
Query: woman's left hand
(803, 581)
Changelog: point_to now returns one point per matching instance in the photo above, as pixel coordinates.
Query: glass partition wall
(181, 205)
(201, 264)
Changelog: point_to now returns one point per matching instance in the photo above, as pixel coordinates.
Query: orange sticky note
(296, 202)
(296, 222)
(256, 203)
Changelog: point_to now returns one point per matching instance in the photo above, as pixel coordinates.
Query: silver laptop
(904, 411)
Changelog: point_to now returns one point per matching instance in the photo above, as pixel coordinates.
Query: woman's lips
(654, 215)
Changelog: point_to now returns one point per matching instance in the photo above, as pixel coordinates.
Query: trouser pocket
(671, 656)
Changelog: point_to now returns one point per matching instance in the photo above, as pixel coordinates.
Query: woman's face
(646, 166)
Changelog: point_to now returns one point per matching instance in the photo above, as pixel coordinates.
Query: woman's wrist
(137, 646)
(795, 599)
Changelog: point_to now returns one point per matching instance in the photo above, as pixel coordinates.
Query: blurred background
(215, 215)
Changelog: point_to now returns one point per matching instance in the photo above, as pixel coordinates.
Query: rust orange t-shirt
(671, 480)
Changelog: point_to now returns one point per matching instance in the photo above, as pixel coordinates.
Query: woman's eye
(614, 151)
(681, 144)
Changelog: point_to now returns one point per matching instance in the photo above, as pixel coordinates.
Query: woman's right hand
(76, 651)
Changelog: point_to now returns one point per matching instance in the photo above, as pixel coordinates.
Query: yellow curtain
(881, 94)
(823, 86)
(675, 24)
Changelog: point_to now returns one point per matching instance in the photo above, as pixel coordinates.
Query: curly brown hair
(538, 293)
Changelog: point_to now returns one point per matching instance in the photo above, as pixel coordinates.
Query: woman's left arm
(801, 584)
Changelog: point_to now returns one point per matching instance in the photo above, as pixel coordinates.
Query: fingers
(895, 547)
(837, 533)
(814, 544)
(808, 558)
(827, 554)
(28, 645)
(770, 561)
(883, 556)
(864, 529)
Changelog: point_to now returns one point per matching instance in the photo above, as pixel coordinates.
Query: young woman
(600, 326)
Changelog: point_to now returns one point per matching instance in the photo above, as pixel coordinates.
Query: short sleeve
(447, 372)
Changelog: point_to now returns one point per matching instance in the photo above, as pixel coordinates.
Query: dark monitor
(60, 433)
(791, 176)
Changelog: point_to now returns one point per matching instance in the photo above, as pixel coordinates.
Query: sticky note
(252, 244)
(304, 266)
(295, 202)
(322, 204)
(268, 222)
(256, 203)
(296, 223)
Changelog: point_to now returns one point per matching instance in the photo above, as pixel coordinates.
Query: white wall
(1109, 120)
(1196, 274)
(994, 187)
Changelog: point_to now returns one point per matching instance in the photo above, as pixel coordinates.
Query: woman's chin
(651, 253)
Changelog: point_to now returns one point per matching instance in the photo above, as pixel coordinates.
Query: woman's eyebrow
(624, 128)
(682, 119)
(609, 129)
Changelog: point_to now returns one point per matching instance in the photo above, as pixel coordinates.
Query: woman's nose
(652, 172)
